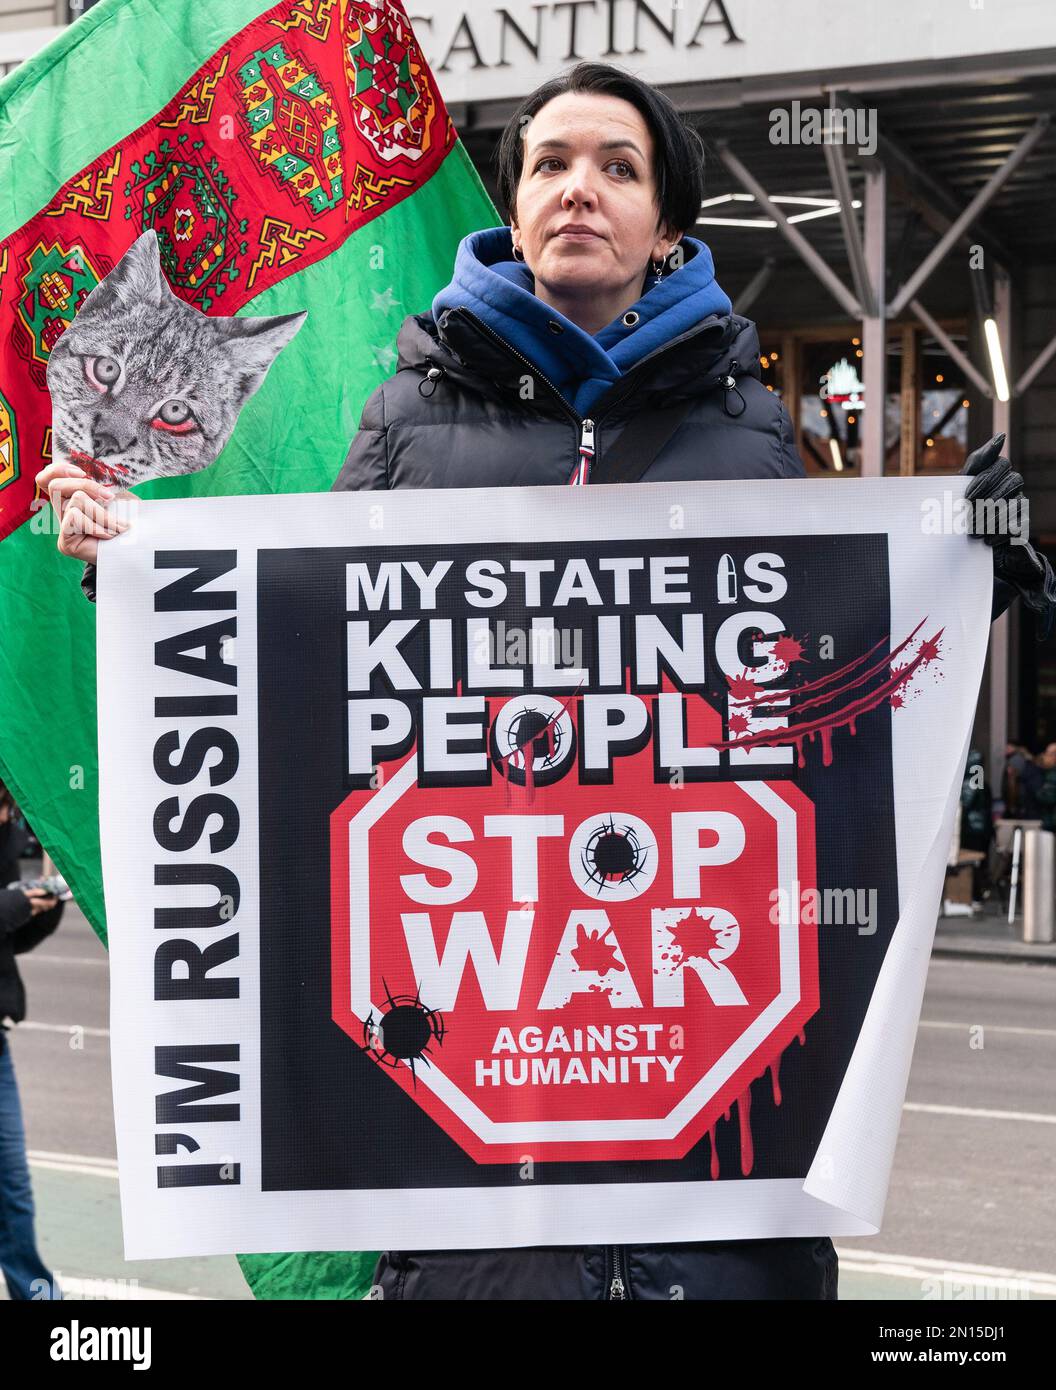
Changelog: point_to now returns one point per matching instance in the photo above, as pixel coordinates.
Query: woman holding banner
(589, 342)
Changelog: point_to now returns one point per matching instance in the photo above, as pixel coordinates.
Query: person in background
(1046, 793)
(1023, 777)
(1030, 780)
(977, 824)
(27, 916)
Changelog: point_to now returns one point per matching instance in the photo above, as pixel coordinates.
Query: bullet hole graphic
(404, 1032)
(536, 734)
(533, 744)
(613, 855)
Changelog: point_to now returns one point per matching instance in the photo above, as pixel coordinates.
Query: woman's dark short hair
(679, 150)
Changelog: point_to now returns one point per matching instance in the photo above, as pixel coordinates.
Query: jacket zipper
(618, 1289)
(587, 425)
(586, 450)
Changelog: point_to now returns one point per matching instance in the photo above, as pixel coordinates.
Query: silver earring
(658, 270)
(518, 254)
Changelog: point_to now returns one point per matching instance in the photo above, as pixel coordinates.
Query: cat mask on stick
(144, 385)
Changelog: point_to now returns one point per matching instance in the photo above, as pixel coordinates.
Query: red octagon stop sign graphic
(573, 971)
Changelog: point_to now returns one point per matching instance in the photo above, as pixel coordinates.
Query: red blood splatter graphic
(841, 673)
(738, 724)
(893, 678)
(96, 469)
(593, 953)
(694, 936)
(743, 688)
(744, 1119)
(788, 650)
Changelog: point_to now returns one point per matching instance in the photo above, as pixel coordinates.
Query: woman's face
(587, 215)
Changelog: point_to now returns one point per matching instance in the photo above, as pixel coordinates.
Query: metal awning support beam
(940, 334)
(841, 187)
(794, 237)
(755, 286)
(874, 323)
(1000, 631)
(1035, 369)
(936, 203)
(981, 200)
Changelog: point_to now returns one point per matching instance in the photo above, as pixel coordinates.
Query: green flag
(292, 156)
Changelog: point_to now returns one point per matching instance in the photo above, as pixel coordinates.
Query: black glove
(1016, 563)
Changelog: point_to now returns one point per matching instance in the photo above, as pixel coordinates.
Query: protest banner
(526, 866)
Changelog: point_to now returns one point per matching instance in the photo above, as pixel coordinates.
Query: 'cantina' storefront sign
(483, 51)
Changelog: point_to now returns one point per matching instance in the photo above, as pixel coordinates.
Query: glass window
(925, 433)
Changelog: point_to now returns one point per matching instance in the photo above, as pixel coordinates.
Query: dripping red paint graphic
(744, 1117)
(890, 690)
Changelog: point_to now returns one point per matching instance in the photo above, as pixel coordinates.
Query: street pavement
(970, 1211)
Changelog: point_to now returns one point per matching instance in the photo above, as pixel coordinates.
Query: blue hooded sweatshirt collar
(500, 291)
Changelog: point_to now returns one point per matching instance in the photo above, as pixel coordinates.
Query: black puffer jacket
(454, 415)
(20, 931)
